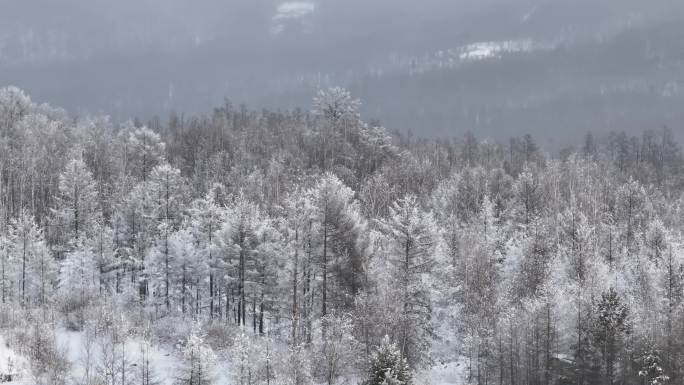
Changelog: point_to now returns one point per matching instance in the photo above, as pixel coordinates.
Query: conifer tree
(76, 211)
(412, 245)
(388, 367)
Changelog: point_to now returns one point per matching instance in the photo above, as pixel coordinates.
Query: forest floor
(450, 373)
(165, 362)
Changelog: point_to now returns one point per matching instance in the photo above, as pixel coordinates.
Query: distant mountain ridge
(496, 67)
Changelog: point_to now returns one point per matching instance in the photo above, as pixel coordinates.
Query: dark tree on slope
(652, 370)
(610, 327)
(340, 244)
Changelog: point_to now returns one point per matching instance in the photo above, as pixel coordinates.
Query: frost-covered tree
(284, 223)
(239, 240)
(43, 269)
(206, 218)
(6, 267)
(338, 350)
(340, 241)
(143, 150)
(252, 360)
(611, 324)
(299, 230)
(78, 282)
(652, 370)
(296, 367)
(33, 267)
(188, 271)
(115, 365)
(388, 367)
(48, 361)
(244, 360)
(339, 113)
(530, 195)
(167, 192)
(199, 359)
(412, 243)
(76, 211)
(14, 104)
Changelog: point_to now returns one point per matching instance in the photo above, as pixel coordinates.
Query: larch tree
(167, 192)
(239, 240)
(339, 114)
(340, 242)
(76, 211)
(199, 358)
(143, 150)
(299, 230)
(78, 282)
(412, 244)
(206, 216)
(189, 271)
(27, 246)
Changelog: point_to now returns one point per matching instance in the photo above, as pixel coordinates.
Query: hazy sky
(146, 57)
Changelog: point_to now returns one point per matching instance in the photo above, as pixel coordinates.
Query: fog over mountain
(436, 67)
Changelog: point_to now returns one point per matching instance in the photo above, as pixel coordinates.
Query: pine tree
(652, 370)
(610, 326)
(388, 367)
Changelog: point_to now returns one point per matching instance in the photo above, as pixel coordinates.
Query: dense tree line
(280, 236)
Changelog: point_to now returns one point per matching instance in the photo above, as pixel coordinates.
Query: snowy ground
(165, 361)
(442, 374)
(10, 362)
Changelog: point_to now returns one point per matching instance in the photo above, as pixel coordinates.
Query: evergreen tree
(652, 370)
(340, 241)
(388, 367)
(609, 329)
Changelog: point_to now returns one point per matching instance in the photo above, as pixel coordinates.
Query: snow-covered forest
(313, 247)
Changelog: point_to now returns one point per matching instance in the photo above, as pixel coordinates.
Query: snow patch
(11, 363)
(289, 12)
(449, 373)
(294, 10)
(494, 49)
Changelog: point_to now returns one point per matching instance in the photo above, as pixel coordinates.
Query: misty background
(552, 68)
